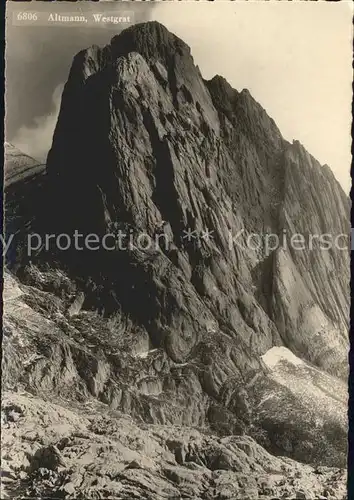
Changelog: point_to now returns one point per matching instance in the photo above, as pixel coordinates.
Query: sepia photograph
(176, 250)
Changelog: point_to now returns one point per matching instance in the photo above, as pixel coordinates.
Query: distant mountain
(214, 330)
(18, 166)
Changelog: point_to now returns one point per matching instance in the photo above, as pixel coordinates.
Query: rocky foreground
(207, 369)
(83, 415)
(54, 450)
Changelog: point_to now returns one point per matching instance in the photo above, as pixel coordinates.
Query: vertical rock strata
(219, 328)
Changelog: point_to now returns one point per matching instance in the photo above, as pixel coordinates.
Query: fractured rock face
(87, 356)
(155, 143)
(218, 328)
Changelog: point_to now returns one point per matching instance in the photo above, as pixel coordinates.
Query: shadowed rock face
(24, 178)
(142, 139)
(144, 144)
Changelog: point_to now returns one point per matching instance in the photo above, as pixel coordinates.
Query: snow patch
(276, 354)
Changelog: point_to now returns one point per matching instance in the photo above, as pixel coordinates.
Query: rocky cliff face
(187, 331)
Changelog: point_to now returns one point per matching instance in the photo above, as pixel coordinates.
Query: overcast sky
(294, 57)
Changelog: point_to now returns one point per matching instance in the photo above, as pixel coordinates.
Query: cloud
(38, 59)
(36, 140)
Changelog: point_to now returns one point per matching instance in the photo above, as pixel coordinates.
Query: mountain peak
(152, 40)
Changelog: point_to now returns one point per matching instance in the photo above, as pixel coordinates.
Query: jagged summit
(152, 40)
(157, 45)
(225, 96)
